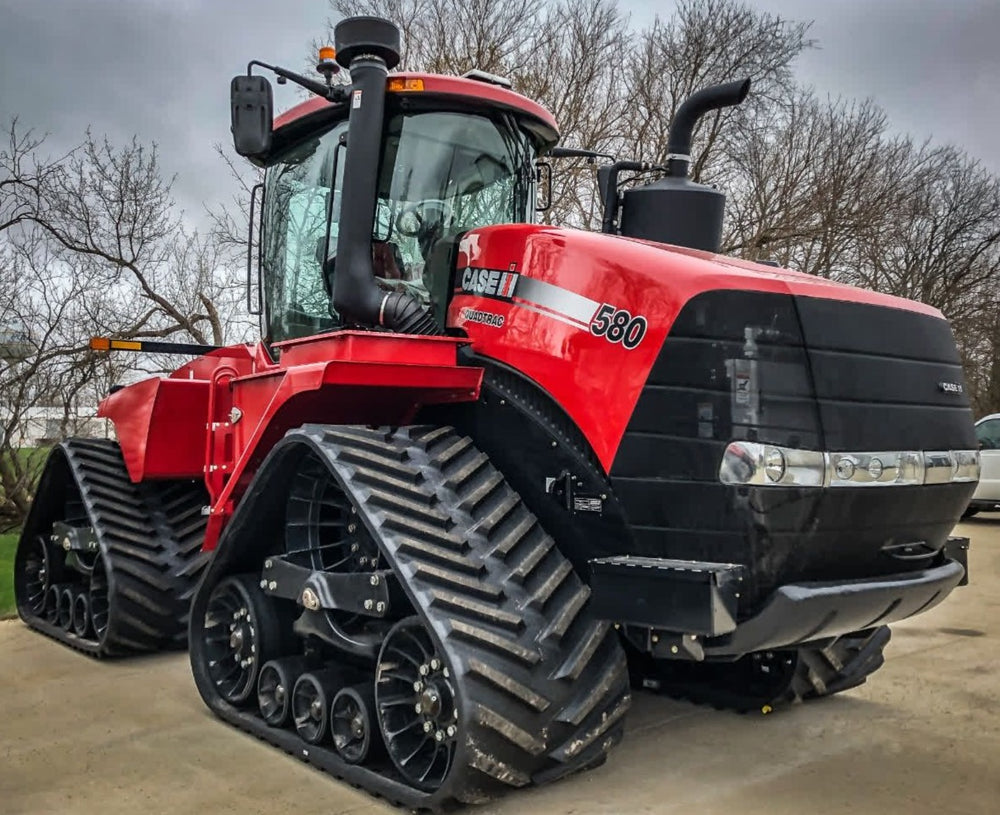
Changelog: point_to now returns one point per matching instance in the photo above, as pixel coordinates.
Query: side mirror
(543, 177)
(252, 115)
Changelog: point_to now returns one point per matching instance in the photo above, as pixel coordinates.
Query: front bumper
(801, 612)
(705, 624)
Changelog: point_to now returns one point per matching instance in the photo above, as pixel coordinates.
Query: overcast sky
(161, 68)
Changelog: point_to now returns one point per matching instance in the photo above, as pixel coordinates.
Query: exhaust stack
(369, 48)
(674, 209)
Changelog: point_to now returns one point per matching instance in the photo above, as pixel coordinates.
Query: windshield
(440, 174)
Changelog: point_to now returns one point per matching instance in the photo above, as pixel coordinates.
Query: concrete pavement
(80, 736)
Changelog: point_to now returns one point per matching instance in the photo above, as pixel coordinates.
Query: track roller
(65, 613)
(81, 613)
(311, 698)
(274, 689)
(52, 596)
(354, 725)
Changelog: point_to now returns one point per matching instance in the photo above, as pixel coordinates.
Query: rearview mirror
(253, 114)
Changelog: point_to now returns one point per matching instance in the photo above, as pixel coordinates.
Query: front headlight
(767, 465)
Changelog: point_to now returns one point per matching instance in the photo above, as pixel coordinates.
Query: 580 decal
(618, 325)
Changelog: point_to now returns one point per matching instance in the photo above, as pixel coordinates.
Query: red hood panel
(563, 306)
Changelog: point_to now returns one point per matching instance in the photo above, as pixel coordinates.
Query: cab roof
(539, 120)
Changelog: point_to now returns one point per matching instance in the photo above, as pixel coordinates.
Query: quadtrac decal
(617, 326)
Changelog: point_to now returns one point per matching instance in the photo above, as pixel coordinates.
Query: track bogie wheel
(242, 631)
(417, 705)
(274, 689)
(311, 698)
(354, 724)
(65, 615)
(81, 613)
(52, 595)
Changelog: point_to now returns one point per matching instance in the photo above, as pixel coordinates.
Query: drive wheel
(241, 632)
(417, 707)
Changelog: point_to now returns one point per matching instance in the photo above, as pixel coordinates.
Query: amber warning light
(402, 83)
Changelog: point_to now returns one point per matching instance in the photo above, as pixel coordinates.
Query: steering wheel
(419, 217)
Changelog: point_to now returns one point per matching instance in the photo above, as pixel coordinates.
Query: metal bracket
(74, 538)
(365, 593)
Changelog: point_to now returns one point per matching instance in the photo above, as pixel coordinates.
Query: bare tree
(92, 245)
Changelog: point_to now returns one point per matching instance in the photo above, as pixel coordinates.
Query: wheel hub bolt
(279, 693)
(419, 707)
(435, 664)
(439, 735)
(424, 670)
(418, 686)
(452, 730)
(428, 727)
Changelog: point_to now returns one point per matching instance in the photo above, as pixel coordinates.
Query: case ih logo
(489, 282)
(616, 325)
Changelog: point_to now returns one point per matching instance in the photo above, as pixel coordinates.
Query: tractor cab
(367, 190)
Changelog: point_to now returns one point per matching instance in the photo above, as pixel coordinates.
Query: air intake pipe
(369, 48)
(674, 209)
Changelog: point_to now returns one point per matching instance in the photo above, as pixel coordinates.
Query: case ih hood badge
(950, 387)
(600, 319)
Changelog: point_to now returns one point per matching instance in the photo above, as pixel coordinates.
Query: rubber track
(814, 673)
(150, 535)
(543, 687)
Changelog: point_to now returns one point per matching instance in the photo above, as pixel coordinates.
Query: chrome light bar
(767, 465)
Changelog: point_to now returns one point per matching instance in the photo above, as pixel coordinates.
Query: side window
(297, 200)
(988, 434)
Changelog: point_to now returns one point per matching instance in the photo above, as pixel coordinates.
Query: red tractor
(480, 475)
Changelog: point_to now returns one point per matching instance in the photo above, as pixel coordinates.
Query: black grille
(797, 372)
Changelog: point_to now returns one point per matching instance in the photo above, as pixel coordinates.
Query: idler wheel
(353, 723)
(417, 705)
(274, 689)
(81, 614)
(65, 613)
(311, 699)
(242, 631)
(98, 598)
(35, 573)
